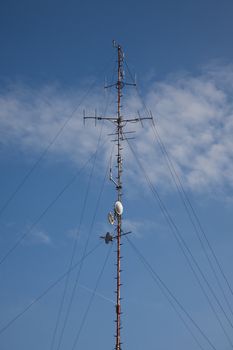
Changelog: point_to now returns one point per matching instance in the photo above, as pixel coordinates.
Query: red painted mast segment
(119, 196)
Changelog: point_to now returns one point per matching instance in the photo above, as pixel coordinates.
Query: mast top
(115, 45)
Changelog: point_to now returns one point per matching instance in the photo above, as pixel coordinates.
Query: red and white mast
(120, 122)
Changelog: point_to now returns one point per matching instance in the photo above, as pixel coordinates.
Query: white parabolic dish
(111, 218)
(119, 208)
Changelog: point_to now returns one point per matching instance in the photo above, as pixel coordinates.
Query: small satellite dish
(110, 218)
(118, 208)
(108, 238)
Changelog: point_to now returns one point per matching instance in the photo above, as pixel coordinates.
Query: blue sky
(55, 58)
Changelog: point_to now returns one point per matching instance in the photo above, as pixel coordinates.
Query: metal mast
(119, 195)
(120, 122)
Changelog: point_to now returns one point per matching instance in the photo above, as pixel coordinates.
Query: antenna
(120, 122)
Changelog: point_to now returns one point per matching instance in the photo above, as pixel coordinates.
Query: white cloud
(139, 227)
(38, 237)
(31, 119)
(194, 116)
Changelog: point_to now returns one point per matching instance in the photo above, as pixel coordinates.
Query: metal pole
(120, 122)
(119, 196)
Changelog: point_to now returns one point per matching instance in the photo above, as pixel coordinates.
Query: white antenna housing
(118, 208)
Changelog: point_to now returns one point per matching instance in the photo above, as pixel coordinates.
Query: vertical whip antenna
(120, 122)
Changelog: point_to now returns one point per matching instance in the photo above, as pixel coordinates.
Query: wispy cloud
(30, 119)
(38, 237)
(194, 116)
(139, 228)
